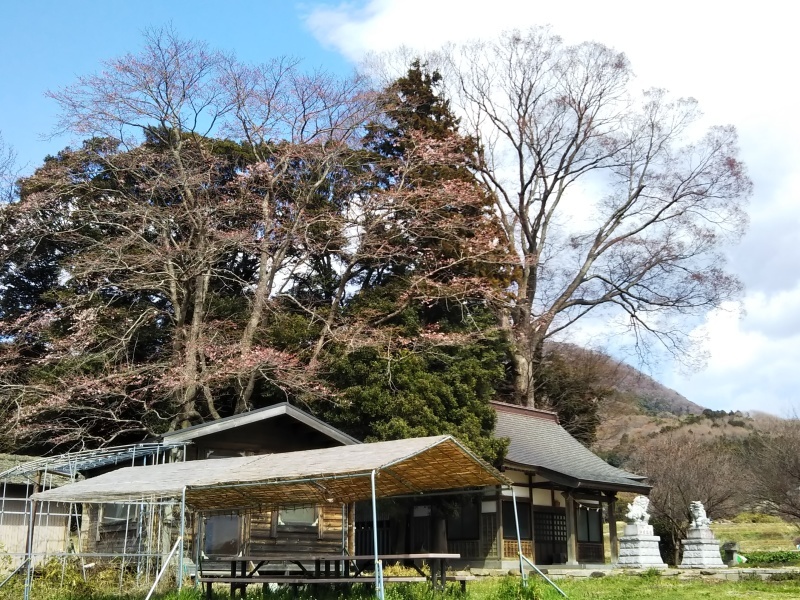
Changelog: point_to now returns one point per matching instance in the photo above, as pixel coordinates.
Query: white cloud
(753, 357)
(738, 60)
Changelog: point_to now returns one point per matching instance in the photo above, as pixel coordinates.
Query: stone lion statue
(699, 518)
(637, 510)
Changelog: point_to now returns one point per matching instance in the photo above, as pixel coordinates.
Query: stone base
(638, 529)
(701, 550)
(640, 552)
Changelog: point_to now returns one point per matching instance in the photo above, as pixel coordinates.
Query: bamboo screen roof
(338, 474)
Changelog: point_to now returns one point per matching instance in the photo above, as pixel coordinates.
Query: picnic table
(323, 569)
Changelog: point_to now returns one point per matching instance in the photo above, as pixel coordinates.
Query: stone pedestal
(701, 550)
(638, 548)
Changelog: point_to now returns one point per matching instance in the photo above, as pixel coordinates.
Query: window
(118, 513)
(524, 513)
(221, 535)
(463, 522)
(294, 517)
(590, 525)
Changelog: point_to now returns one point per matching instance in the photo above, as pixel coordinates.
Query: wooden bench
(242, 582)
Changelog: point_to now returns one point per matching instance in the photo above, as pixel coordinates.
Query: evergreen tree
(436, 362)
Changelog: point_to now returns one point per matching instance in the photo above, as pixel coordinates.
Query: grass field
(650, 585)
(605, 588)
(751, 536)
(758, 536)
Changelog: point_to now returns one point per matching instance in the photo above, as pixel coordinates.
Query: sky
(735, 58)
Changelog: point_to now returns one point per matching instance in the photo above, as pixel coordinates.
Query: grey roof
(253, 416)
(539, 442)
(338, 474)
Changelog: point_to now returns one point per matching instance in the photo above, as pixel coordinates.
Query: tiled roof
(539, 442)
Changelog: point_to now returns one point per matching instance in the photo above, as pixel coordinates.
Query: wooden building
(560, 486)
(274, 429)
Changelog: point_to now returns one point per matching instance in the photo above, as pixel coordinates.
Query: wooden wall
(50, 529)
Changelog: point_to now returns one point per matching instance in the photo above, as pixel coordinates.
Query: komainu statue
(699, 518)
(637, 510)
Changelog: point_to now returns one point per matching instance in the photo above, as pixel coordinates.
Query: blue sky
(46, 44)
(733, 57)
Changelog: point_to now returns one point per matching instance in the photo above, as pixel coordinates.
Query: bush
(766, 559)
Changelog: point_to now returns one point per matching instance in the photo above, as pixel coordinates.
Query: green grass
(752, 537)
(648, 586)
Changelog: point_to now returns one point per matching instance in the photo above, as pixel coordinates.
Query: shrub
(780, 557)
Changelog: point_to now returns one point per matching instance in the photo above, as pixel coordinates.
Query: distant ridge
(653, 397)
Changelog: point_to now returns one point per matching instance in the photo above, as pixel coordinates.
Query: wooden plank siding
(262, 538)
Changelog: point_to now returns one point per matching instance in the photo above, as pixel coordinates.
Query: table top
(301, 556)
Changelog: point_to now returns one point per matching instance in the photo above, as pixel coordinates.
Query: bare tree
(156, 211)
(610, 201)
(8, 172)
(683, 468)
(773, 468)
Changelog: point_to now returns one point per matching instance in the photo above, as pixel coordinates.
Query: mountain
(636, 406)
(653, 397)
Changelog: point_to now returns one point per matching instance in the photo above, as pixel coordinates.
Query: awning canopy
(340, 474)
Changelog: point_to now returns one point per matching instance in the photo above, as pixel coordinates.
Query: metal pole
(124, 544)
(183, 531)
(378, 566)
(163, 568)
(519, 541)
(3, 505)
(545, 577)
(29, 550)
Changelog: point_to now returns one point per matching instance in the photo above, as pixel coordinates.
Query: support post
(351, 528)
(612, 530)
(378, 566)
(500, 533)
(29, 553)
(182, 534)
(572, 543)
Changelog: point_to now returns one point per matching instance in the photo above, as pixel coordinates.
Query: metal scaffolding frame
(139, 543)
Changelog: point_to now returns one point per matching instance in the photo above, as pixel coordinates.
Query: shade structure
(340, 474)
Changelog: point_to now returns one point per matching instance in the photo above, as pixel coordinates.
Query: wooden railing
(510, 548)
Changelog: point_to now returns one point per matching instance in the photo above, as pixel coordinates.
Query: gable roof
(340, 474)
(540, 443)
(254, 416)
